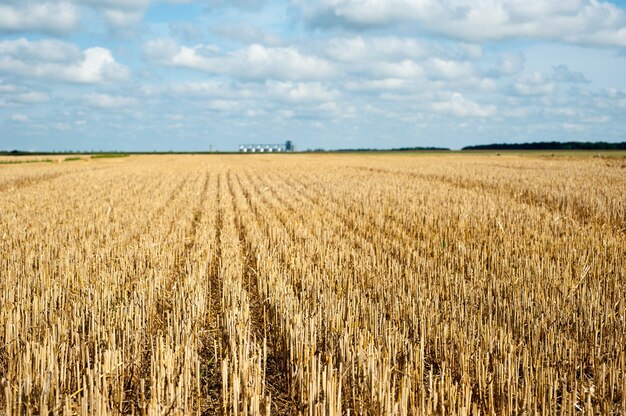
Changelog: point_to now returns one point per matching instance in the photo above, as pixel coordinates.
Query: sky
(185, 75)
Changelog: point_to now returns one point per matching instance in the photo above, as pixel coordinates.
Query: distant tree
(550, 146)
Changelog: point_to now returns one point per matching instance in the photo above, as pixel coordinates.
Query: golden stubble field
(314, 284)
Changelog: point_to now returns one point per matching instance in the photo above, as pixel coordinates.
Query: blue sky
(192, 75)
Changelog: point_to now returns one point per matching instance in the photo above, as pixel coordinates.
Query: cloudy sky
(194, 75)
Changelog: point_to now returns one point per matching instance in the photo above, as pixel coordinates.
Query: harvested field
(391, 284)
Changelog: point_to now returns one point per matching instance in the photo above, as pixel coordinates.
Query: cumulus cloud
(301, 92)
(366, 49)
(510, 64)
(379, 57)
(576, 21)
(287, 92)
(56, 60)
(223, 105)
(61, 17)
(119, 18)
(17, 96)
(206, 90)
(472, 50)
(450, 69)
(397, 80)
(119, 13)
(31, 16)
(48, 50)
(403, 69)
(201, 89)
(255, 62)
(534, 83)
(460, 106)
(377, 85)
(392, 57)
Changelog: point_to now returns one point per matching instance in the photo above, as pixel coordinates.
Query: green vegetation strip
(16, 162)
(109, 155)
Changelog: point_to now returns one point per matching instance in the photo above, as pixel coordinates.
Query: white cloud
(596, 119)
(255, 113)
(64, 16)
(55, 60)
(574, 127)
(109, 101)
(460, 106)
(300, 92)
(20, 118)
(253, 62)
(46, 16)
(97, 65)
(161, 50)
(366, 49)
(385, 84)
(122, 18)
(429, 67)
(16, 96)
(562, 112)
(222, 95)
(577, 21)
(49, 50)
(7, 88)
(401, 58)
(223, 105)
(534, 83)
(402, 69)
(119, 13)
(510, 64)
(202, 89)
(473, 50)
(379, 57)
(487, 85)
(31, 97)
(449, 69)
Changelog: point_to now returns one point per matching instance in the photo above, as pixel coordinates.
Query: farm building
(267, 148)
